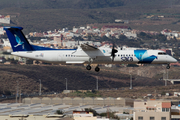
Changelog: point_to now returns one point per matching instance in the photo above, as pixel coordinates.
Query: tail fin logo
(19, 42)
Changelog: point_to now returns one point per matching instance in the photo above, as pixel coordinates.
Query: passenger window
(162, 53)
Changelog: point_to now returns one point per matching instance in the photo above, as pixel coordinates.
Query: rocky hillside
(44, 15)
(53, 77)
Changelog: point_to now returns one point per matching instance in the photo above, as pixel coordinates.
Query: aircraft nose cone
(172, 60)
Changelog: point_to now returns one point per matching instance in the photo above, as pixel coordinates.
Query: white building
(6, 43)
(1, 31)
(130, 35)
(170, 33)
(152, 110)
(5, 20)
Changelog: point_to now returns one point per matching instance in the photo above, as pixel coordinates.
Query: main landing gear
(168, 66)
(88, 67)
(97, 69)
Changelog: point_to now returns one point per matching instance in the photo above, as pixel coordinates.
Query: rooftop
(15, 109)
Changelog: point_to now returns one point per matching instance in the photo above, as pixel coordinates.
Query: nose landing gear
(168, 66)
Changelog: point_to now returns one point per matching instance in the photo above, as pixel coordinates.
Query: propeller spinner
(113, 52)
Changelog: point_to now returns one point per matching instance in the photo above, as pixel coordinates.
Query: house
(152, 110)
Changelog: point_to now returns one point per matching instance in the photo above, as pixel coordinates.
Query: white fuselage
(100, 56)
(84, 54)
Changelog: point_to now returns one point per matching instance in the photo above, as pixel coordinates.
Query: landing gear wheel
(88, 67)
(97, 69)
(168, 67)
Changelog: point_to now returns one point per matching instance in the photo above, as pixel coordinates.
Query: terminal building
(156, 110)
(46, 108)
(152, 110)
(80, 101)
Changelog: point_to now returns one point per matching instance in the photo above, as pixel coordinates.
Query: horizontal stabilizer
(75, 62)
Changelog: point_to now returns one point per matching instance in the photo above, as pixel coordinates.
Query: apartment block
(152, 110)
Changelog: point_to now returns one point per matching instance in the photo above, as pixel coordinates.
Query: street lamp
(130, 87)
(40, 87)
(97, 82)
(17, 90)
(66, 84)
(165, 80)
(130, 81)
(167, 74)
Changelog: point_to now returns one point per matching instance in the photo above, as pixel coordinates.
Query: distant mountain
(80, 4)
(57, 4)
(43, 15)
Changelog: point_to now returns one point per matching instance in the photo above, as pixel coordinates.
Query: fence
(80, 101)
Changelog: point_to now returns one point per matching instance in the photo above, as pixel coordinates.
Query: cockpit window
(162, 53)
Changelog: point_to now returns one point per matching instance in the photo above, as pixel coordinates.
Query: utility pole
(165, 80)
(108, 112)
(66, 84)
(97, 82)
(20, 95)
(40, 87)
(130, 80)
(166, 77)
(17, 90)
(167, 74)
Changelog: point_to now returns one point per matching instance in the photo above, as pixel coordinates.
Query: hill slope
(53, 78)
(81, 4)
(58, 4)
(43, 15)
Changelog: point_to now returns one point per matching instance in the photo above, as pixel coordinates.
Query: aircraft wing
(91, 51)
(87, 47)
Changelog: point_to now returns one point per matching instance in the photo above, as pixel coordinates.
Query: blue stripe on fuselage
(143, 56)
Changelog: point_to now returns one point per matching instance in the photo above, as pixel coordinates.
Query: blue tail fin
(17, 39)
(19, 42)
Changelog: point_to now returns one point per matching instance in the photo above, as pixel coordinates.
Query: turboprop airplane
(84, 54)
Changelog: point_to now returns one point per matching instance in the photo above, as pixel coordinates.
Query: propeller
(113, 52)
